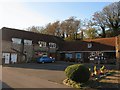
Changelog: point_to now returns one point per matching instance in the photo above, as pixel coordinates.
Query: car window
(44, 57)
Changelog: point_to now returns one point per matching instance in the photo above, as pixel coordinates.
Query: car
(45, 60)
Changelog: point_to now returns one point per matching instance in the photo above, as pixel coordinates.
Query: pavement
(112, 81)
(34, 76)
(48, 75)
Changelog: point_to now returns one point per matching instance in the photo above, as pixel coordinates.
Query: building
(101, 49)
(23, 46)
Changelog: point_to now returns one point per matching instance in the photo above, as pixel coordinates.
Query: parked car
(45, 60)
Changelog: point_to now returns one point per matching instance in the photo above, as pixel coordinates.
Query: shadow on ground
(6, 86)
(110, 82)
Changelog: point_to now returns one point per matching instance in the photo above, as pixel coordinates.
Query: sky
(21, 15)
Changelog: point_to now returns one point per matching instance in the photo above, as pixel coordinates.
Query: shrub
(78, 73)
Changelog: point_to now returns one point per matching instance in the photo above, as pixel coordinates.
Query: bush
(78, 73)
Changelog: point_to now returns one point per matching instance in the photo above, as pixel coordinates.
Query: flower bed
(98, 74)
(93, 82)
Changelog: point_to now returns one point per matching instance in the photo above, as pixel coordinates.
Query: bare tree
(70, 27)
(112, 17)
(109, 18)
(99, 20)
(52, 28)
(36, 29)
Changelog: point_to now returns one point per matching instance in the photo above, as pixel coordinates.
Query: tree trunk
(82, 35)
(63, 35)
(103, 32)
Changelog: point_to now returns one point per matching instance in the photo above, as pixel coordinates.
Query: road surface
(19, 77)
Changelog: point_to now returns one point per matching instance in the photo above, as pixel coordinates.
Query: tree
(90, 33)
(112, 17)
(109, 18)
(70, 27)
(36, 29)
(53, 28)
(89, 30)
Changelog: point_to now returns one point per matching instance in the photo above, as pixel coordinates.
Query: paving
(34, 76)
(48, 75)
(112, 81)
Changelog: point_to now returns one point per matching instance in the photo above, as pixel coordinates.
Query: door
(62, 56)
(7, 57)
(13, 58)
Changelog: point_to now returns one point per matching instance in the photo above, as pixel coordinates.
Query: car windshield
(44, 57)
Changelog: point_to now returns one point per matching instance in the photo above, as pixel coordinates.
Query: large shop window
(28, 42)
(78, 55)
(16, 40)
(68, 55)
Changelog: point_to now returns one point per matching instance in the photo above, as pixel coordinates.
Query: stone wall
(16, 46)
(6, 46)
(29, 52)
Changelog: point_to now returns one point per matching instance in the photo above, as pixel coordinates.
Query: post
(118, 52)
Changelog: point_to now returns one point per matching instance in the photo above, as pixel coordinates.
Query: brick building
(22, 46)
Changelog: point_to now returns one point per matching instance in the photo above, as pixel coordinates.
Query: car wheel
(43, 62)
(53, 61)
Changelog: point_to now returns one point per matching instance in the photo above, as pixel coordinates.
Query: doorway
(6, 58)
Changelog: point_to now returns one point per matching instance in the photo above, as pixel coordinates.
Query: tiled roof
(105, 41)
(8, 33)
(101, 44)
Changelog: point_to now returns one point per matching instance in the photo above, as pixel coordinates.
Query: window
(16, 40)
(52, 45)
(78, 55)
(89, 45)
(68, 55)
(42, 44)
(28, 42)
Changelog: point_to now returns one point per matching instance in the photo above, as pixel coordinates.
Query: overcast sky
(21, 15)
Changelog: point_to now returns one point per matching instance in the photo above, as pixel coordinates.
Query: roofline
(89, 51)
(99, 39)
(27, 31)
